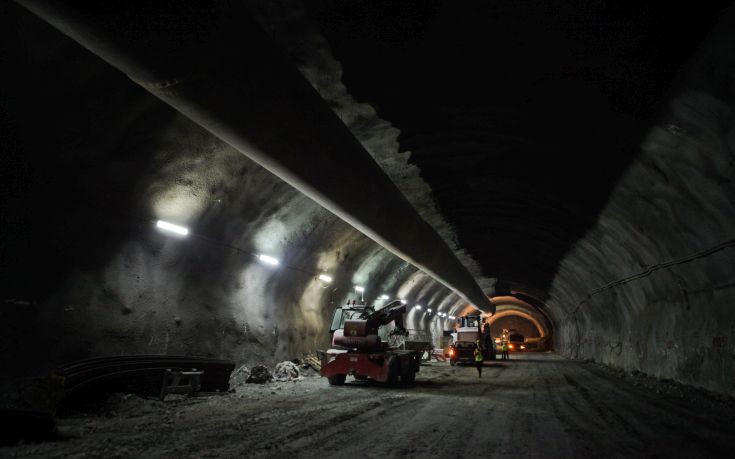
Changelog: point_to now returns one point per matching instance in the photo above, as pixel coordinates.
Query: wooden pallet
(313, 362)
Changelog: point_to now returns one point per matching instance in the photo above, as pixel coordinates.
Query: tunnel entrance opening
(526, 323)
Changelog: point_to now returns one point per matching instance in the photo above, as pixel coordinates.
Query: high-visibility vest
(505, 347)
(478, 355)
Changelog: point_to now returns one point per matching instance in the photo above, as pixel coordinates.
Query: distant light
(325, 278)
(418, 306)
(452, 317)
(429, 310)
(359, 289)
(383, 297)
(171, 227)
(403, 301)
(268, 259)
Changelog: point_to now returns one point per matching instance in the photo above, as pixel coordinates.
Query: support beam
(210, 61)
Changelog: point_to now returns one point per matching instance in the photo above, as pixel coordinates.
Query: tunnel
(191, 189)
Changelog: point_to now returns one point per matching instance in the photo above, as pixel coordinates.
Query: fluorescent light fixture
(325, 278)
(418, 306)
(359, 289)
(428, 310)
(268, 259)
(171, 227)
(383, 297)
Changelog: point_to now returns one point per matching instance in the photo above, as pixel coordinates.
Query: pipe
(210, 61)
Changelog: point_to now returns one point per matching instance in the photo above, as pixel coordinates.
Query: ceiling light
(428, 310)
(268, 259)
(325, 278)
(383, 297)
(171, 227)
(418, 306)
(359, 289)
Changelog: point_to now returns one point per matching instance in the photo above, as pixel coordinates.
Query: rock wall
(651, 286)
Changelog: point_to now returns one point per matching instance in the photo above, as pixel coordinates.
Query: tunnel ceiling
(520, 116)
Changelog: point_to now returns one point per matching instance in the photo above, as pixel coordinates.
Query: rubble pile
(260, 374)
(239, 377)
(286, 371)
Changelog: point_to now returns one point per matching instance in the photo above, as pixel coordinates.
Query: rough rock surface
(650, 286)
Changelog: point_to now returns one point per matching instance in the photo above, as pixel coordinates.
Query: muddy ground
(536, 405)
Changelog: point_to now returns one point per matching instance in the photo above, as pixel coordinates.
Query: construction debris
(260, 374)
(286, 371)
(311, 361)
(239, 377)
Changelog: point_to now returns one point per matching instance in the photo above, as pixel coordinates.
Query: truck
(470, 331)
(358, 350)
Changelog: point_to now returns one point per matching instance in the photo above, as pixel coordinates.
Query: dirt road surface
(536, 405)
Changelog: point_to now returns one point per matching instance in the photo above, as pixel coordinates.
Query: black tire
(410, 376)
(394, 372)
(336, 380)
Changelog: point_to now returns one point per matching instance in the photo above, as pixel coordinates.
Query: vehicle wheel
(336, 380)
(410, 376)
(394, 371)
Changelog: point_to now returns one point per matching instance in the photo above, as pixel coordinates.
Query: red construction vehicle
(358, 350)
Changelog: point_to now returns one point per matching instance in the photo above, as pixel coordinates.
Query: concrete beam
(213, 63)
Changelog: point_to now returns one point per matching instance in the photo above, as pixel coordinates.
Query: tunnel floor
(536, 405)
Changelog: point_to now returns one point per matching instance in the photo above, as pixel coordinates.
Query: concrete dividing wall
(675, 203)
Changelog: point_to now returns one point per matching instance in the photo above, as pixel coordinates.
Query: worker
(489, 345)
(479, 359)
(505, 350)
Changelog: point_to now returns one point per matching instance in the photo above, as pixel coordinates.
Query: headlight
(523, 347)
(510, 346)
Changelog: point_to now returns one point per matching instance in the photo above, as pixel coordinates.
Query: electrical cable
(653, 268)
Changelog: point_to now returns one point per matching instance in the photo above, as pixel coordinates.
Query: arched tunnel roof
(510, 306)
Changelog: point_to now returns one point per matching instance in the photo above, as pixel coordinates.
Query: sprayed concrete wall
(667, 235)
